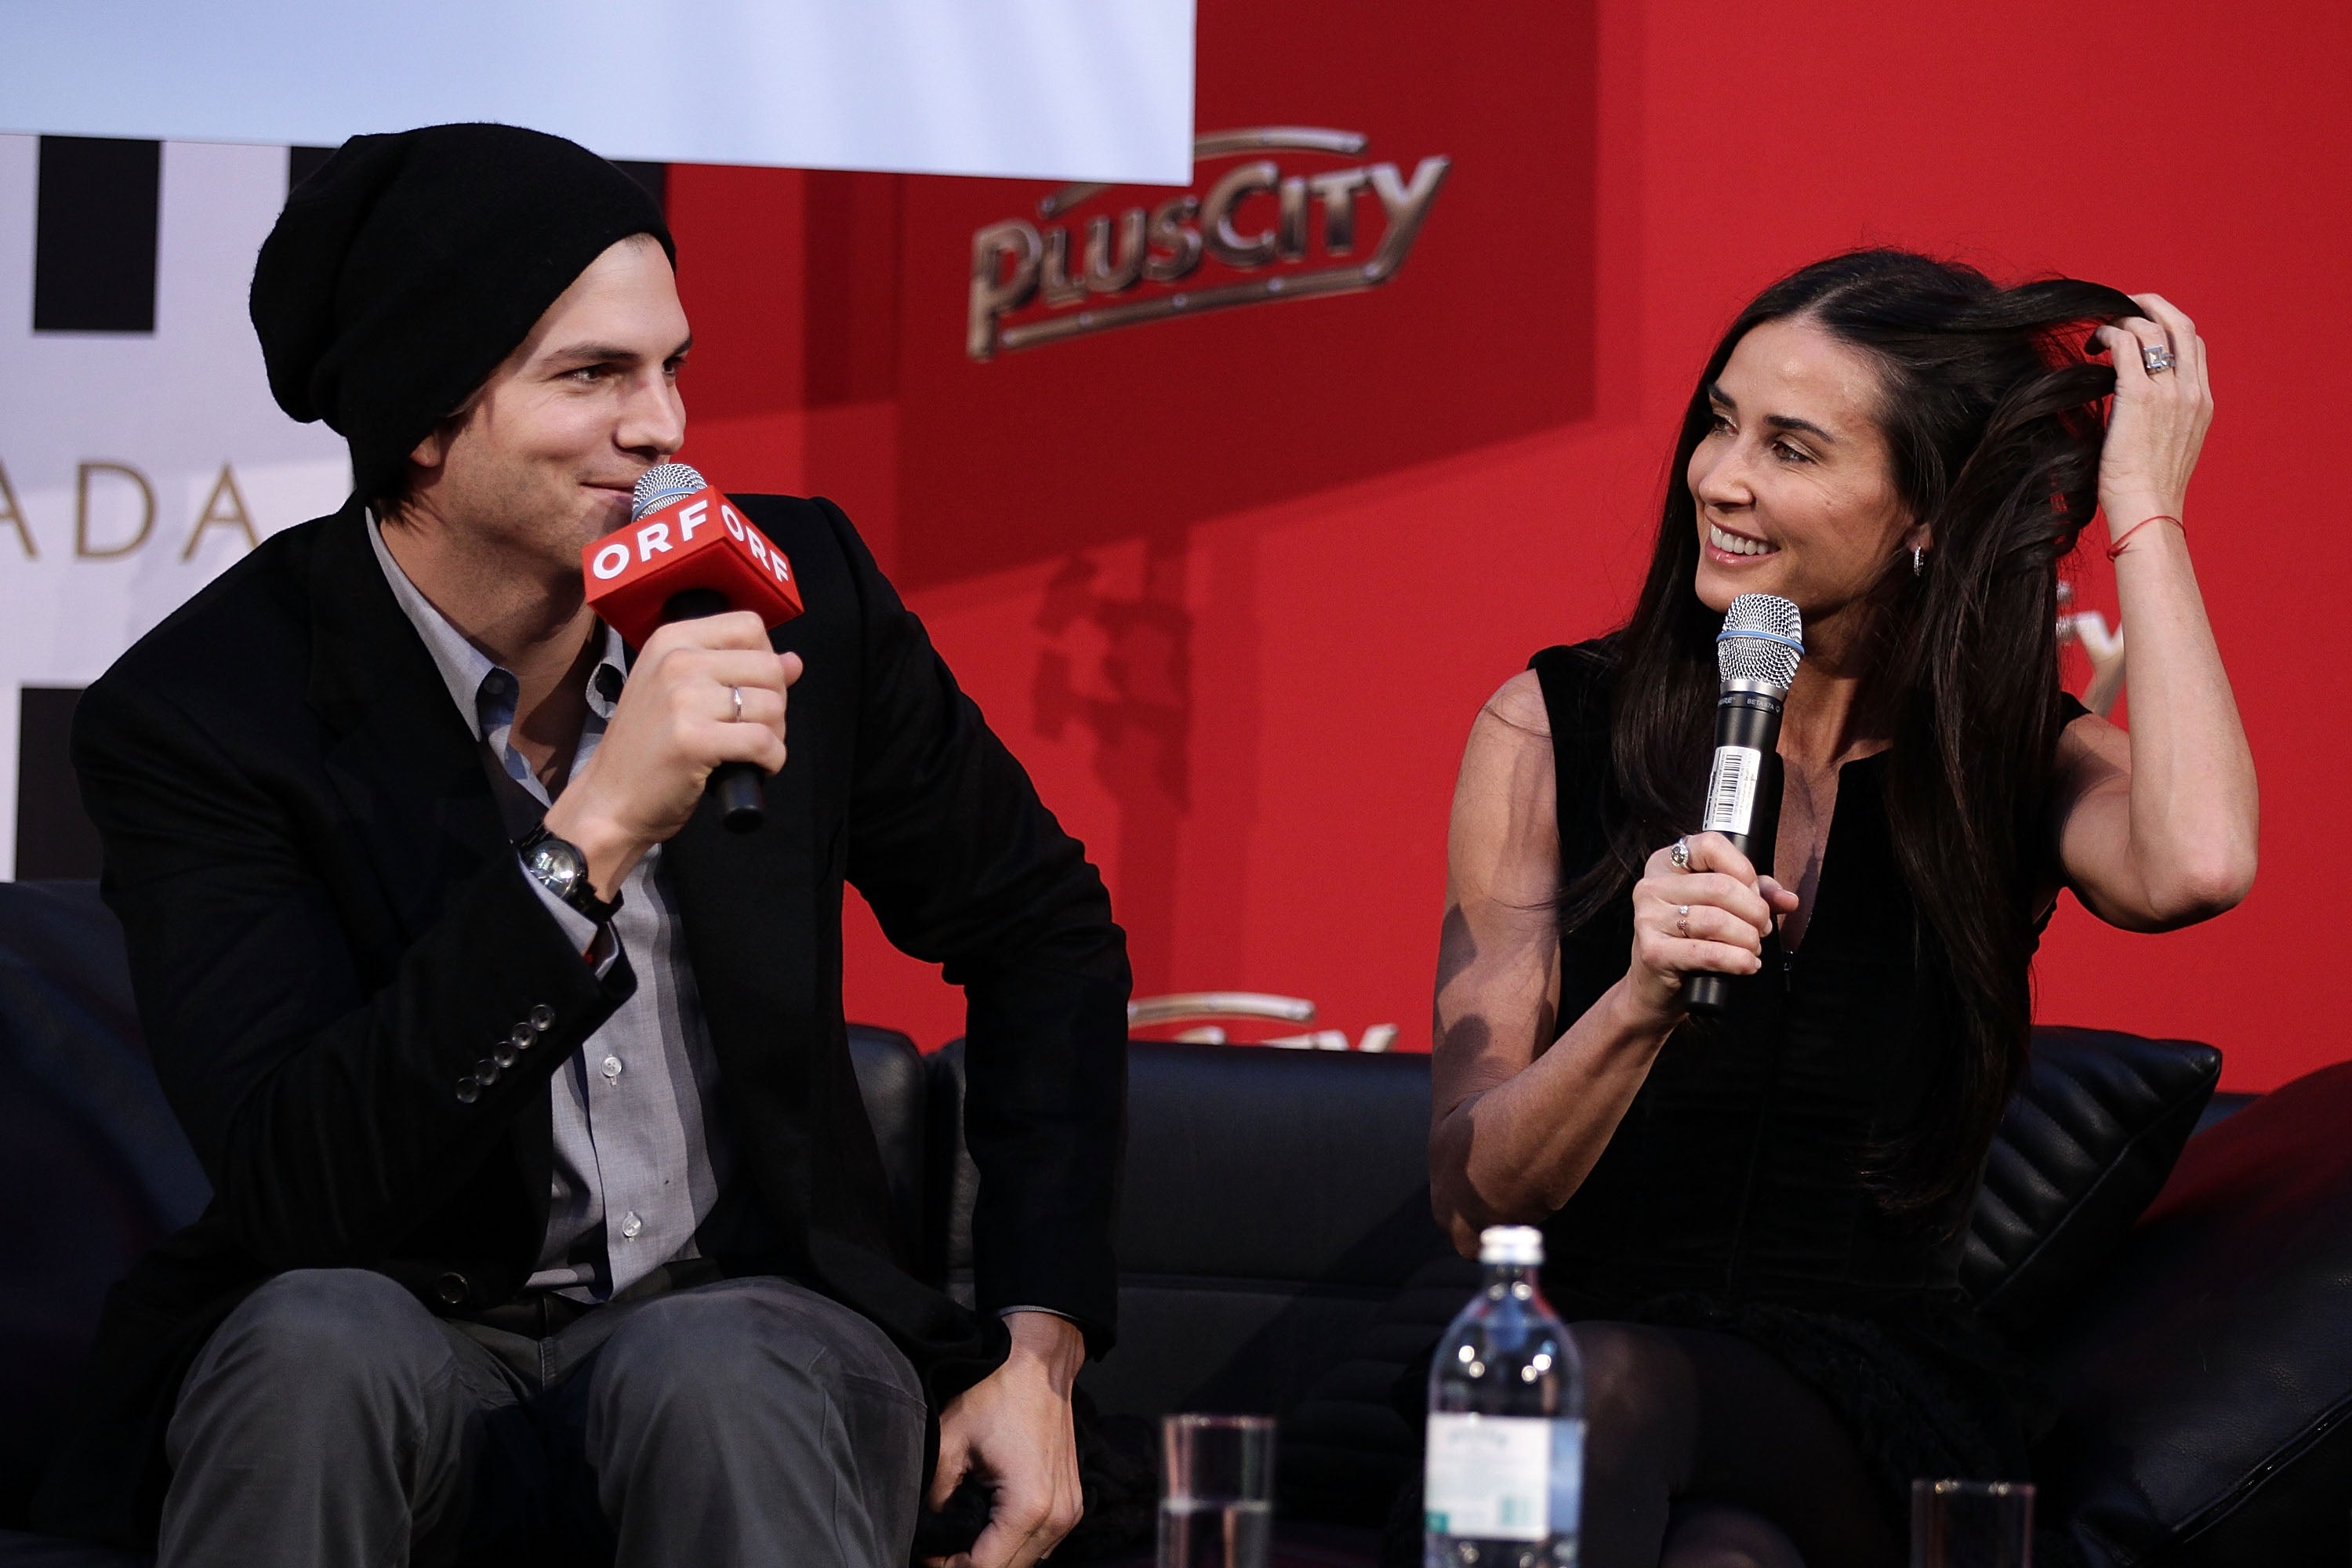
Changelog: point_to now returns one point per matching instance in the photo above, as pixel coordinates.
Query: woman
(1756, 1223)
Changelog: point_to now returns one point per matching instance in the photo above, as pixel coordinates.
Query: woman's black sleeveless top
(1733, 1194)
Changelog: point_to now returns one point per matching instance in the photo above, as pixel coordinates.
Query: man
(546, 1214)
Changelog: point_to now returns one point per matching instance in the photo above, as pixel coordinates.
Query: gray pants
(332, 1420)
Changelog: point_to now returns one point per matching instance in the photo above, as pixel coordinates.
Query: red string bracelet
(2117, 549)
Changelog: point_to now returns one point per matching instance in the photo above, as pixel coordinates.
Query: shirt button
(612, 1068)
(543, 1017)
(468, 1091)
(631, 1225)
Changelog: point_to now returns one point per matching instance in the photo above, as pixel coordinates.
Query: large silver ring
(1679, 853)
(2156, 358)
(739, 702)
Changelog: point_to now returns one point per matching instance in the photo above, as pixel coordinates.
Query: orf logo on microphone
(699, 540)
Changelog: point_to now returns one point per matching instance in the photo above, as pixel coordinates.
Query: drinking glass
(1971, 1525)
(1216, 1490)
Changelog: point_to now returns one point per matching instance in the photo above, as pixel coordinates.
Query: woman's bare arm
(1519, 1117)
(2156, 826)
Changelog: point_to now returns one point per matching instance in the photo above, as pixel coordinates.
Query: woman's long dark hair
(1993, 418)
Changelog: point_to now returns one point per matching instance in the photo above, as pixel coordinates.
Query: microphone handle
(1745, 807)
(737, 790)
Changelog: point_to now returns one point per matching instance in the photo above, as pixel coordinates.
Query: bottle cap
(1517, 1245)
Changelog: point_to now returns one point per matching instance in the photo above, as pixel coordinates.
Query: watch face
(557, 862)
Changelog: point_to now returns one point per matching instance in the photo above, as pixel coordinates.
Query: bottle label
(1731, 789)
(1489, 1477)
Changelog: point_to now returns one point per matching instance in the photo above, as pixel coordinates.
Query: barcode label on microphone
(1731, 789)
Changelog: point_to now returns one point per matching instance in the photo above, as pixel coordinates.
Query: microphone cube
(698, 540)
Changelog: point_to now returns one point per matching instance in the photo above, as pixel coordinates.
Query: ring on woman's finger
(1681, 920)
(2157, 357)
(739, 702)
(1680, 854)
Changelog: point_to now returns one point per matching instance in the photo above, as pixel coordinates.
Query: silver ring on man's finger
(739, 702)
(2157, 357)
(1679, 853)
(1682, 918)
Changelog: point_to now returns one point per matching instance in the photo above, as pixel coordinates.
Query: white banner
(139, 467)
(1061, 90)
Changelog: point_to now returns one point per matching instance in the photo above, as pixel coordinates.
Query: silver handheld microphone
(1756, 657)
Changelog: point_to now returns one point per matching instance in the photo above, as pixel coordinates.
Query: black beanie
(410, 265)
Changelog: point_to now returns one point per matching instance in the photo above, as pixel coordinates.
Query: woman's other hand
(2158, 421)
(2159, 827)
(1712, 915)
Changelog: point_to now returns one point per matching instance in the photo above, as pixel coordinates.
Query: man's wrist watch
(558, 866)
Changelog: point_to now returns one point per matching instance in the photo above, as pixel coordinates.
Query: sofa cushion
(2207, 1377)
(2084, 1144)
(21, 1551)
(95, 1167)
(1273, 1202)
(891, 1081)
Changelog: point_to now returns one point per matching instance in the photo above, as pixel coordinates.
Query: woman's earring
(1919, 562)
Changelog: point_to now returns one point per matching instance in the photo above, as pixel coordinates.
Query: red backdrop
(1233, 587)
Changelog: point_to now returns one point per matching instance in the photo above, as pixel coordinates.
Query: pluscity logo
(1252, 218)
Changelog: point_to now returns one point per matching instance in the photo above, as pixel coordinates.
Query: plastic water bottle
(1504, 1484)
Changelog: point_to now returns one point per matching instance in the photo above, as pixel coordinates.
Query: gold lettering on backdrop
(1234, 249)
(994, 290)
(14, 515)
(82, 511)
(1173, 234)
(1105, 276)
(1087, 273)
(1060, 286)
(213, 517)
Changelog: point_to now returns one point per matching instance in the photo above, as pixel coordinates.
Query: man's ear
(434, 450)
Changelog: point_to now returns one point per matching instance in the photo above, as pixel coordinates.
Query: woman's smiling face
(1795, 482)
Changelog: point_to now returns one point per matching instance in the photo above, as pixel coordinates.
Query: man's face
(542, 460)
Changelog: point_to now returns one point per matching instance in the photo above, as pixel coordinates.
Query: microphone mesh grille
(658, 486)
(1761, 641)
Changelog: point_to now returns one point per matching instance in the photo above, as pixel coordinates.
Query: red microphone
(687, 553)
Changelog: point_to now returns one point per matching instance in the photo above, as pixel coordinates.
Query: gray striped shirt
(640, 1153)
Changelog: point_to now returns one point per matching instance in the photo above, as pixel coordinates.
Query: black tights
(1703, 1451)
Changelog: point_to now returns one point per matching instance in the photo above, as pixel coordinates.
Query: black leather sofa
(1278, 1255)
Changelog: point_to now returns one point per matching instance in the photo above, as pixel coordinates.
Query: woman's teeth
(1733, 544)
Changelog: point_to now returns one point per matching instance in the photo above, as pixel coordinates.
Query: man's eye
(590, 373)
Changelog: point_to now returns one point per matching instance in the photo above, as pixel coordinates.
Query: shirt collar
(464, 667)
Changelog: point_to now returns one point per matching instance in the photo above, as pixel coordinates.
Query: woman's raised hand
(1713, 914)
(2159, 418)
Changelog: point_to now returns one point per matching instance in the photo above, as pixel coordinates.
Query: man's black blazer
(328, 932)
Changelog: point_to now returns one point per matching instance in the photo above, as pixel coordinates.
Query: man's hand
(1012, 1431)
(676, 721)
